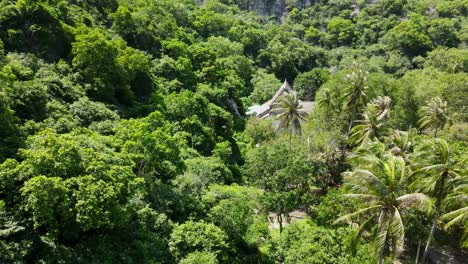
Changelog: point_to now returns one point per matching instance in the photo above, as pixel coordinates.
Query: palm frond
(396, 232)
(419, 201)
(348, 217)
(456, 217)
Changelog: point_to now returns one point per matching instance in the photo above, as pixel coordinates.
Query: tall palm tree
(356, 95)
(367, 128)
(327, 101)
(435, 171)
(370, 127)
(434, 115)
(290, 114)
(379, 184)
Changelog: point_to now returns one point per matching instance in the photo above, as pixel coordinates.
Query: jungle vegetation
(124, 136)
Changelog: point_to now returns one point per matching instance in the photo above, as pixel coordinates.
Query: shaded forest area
(124, 138)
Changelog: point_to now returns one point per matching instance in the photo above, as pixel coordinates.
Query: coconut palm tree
(458, 199)
(436, 170)
(367, 128)
(290, 114)
(383, 107)
(370, 127)
(379, 184)
(357, 93)
(434, 115)
(327, 101)
(401, 143)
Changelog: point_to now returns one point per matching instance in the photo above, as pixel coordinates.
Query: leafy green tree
(153, 149)
(341, 31)
(410, 37)
(233, 209)
(313, 35)
(287, 56)
(10, 133)
(258, 131)
(88, 112)
(289, 182)
(305, 242)
(306, 84)
(264, 85)
(379, 185)
(200, 257)
(443, 32)
(107, 66)
(448, 60)
(193, 236)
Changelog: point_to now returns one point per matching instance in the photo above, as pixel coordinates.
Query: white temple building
(264, 110)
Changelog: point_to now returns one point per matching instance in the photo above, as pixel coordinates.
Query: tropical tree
(370, 127)
(357, 92)
(382, 104)
(434, 115)
(290, 114)
(458, 199)
(437, 171)
(378, 184)
(402, 143)
(327, 102)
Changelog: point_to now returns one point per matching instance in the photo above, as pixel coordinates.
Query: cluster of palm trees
(387, 182)
(388, 179)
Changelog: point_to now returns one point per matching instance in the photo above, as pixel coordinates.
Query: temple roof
(264, 110)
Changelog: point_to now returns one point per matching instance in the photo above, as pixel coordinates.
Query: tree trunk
(431, 235)
(280, 222)
(353, 116)
(380, 259)
(440, 196)
(290, 138)
(417, 253)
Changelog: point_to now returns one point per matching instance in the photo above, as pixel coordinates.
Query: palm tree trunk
(290, 138)
(353, 116)
(417, 253)
(440, 196)
(280, 222)
(431, 235)
(380, 260)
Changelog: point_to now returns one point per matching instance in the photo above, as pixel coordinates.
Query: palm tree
(402, 143)
(434, 115)
(458, 199)
(327, 101)
(378, 184)
(370, 127)
(290, 114)
(437, 170)
(383, 107)
(367, 128)
(357, 93)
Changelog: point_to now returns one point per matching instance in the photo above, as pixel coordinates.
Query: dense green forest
(124, 136)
